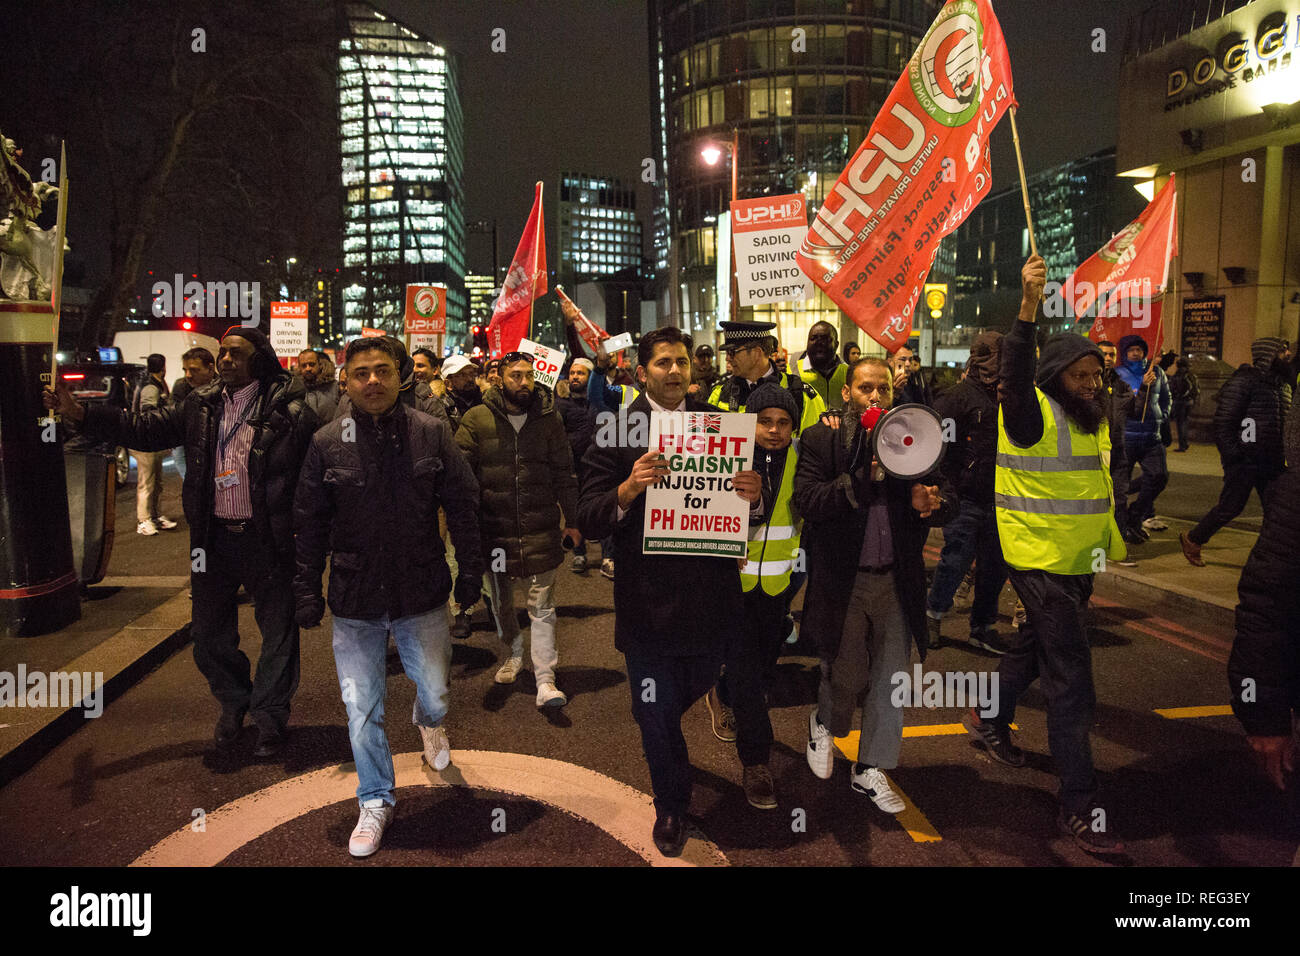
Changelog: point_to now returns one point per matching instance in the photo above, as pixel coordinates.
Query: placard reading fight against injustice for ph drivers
(695, 508)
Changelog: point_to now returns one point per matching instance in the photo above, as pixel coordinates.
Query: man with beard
(820, 366)
(520, 454)
(463, 392)
(704, 374)
(1055, 515)
(1253, 405)
(972, 406)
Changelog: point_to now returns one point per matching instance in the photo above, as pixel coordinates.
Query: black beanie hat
(269, 367)
(771, 395)
(1062, 350)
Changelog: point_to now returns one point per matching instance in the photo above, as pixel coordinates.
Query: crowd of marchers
(288, 473)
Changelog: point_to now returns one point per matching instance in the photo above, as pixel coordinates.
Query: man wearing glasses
(519, 452)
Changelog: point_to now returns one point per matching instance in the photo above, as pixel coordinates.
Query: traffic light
(480, 339)
(187, 325)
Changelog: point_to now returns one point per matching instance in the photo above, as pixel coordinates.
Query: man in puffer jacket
(1143, 444)
(1264, 667)
(1248, 426)
(517, 446)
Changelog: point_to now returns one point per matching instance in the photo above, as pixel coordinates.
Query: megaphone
(907, 440)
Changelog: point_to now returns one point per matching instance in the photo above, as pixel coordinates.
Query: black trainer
(995, 738)
(1088, 838)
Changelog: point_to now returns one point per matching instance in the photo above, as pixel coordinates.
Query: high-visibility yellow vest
(773, 545)
(830, 390)
(813, 406)
(1054, 500)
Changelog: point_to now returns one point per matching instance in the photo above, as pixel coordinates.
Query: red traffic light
(187, 325)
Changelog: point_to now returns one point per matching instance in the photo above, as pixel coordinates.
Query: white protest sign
(616, 343)
(695, 508)
(288, 328)
(547, 362)
(767, 233)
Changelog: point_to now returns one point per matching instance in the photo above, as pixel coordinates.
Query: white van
(138, 346)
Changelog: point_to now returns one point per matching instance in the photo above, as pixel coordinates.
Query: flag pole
(537, 235)
(1024, 185)
(60, 230)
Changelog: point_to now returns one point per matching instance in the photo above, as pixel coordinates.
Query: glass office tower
(801, 81)
(402, 135)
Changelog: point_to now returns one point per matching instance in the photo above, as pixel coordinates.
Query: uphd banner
(922, 169)
(767, 236)
(695, 508)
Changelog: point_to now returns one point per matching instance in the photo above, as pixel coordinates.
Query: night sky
(571, 92)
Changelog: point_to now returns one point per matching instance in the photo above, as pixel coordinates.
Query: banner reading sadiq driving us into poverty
(922, 169)
(695, 508)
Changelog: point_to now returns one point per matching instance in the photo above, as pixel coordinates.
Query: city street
(142, 783)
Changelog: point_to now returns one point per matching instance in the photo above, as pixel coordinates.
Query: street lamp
(712, 154)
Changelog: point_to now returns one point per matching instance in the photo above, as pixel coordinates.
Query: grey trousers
(875, 645)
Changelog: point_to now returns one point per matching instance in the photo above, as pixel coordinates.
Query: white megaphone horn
(908, 441)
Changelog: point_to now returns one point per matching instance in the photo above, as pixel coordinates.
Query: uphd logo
(213, 300)
(57, 689)
(75, 909)
(769, 212)
(955, 689)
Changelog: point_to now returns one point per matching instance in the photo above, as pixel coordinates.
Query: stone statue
(26, 251)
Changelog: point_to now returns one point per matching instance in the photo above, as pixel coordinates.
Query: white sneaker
(370, 830)
(548, 695)
(607, 568)
(510, 670)
(164, 522)
(146, 527)
(873, 782)
(821, 748)
(437, 748)
(1155, 524)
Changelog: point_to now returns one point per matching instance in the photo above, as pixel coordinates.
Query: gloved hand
(309, 611)
(467, 591)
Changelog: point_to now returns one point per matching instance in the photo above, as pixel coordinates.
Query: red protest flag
(1120, 288)
(512, 315)
(591, 333)
(921, 170)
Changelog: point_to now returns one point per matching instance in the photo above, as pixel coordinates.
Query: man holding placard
(673, 613)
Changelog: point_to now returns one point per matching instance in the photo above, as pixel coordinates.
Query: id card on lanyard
(227, 477)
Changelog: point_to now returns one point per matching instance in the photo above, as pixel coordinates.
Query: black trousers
(750, 661)
(233, 559)
(1053, 648)
(1238, 481)
(1120, 475)
(664, 688)
(1179, 417)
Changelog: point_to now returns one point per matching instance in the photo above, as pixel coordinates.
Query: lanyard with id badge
(226, 477)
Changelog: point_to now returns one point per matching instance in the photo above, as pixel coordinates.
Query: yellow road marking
(1215, 710)
(909, 818)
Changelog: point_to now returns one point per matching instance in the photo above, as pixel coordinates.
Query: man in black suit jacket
(673, 614)
(865, 603)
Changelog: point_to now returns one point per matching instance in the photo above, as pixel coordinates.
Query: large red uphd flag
(921, 170)
(1119, 290)
(526, 280)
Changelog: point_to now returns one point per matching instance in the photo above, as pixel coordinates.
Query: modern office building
(596, 228)
(325, 325)
(1209, 91)
(1077, 207)
(401, 136)
(800, 81)
(482, 292)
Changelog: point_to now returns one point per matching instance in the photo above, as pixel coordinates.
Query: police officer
(749, 346)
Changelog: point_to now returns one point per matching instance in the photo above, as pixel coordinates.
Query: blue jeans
(971, 536)
(360, 655)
